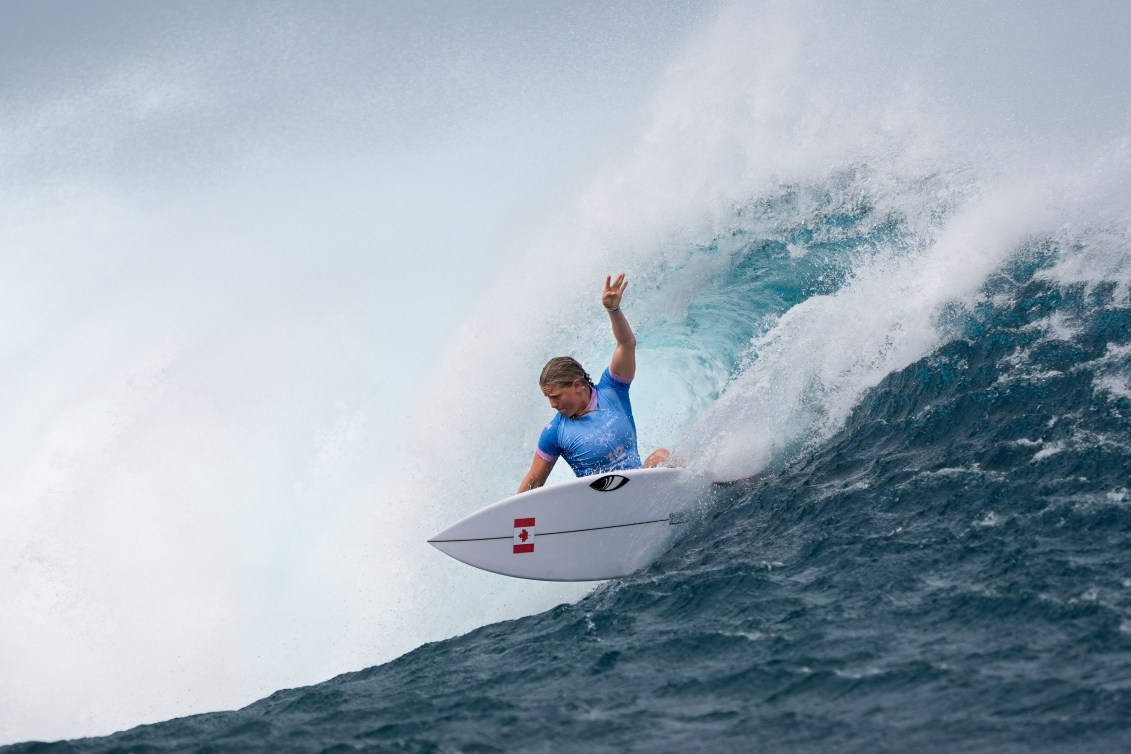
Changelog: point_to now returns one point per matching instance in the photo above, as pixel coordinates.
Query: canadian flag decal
(523, 535)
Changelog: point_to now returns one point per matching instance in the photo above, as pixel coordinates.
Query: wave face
(902, 328)
(945, 569)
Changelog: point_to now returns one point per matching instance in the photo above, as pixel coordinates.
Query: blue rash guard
(604, 439)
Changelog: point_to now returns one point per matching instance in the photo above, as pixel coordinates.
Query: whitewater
(264, 334)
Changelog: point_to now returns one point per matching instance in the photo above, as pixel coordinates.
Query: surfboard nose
(441, 535)
(450, 534)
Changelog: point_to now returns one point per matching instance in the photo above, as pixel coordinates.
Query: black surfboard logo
(609, 483)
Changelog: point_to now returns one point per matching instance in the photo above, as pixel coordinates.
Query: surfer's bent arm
(623, 363)
(539, 472)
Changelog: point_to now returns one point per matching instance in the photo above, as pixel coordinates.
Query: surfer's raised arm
(623, 363)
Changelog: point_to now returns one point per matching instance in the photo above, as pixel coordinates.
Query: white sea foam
(234, 245)
(1113, 372)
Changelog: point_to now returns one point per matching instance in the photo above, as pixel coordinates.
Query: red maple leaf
(523, 535)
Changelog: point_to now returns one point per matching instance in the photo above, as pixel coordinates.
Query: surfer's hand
(614, 289)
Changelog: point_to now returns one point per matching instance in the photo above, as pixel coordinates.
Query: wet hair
(563, 370)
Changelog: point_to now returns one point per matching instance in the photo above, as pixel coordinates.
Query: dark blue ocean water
(949, 571)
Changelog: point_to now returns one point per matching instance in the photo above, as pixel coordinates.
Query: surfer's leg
(658, 458)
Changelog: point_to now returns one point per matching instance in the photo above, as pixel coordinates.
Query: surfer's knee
(658, 458)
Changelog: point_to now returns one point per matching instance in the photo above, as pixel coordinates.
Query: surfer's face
(568, 400)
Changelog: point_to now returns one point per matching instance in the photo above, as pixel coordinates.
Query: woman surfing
(593, 428)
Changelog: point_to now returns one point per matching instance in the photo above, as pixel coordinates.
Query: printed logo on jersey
(523, 535)
(609, 483)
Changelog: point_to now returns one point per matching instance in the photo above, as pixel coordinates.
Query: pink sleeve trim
(619, 379)
(545, 456)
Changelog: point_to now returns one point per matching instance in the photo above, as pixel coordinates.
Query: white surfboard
(588, 529)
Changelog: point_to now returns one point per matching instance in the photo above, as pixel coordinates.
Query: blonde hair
(563, 370)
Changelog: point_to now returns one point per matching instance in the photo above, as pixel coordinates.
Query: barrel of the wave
(588, 529)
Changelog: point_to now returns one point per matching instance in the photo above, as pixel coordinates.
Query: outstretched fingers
(614, 289)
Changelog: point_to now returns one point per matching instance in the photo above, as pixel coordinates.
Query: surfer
(593, 430)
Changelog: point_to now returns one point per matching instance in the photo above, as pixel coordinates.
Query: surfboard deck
(587, 529)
